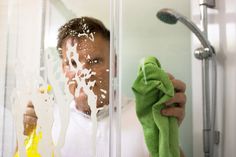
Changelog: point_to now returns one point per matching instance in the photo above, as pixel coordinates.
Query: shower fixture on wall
(172, 17)
(206, 54)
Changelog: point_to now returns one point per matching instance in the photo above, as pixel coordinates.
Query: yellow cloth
(31, 145)
(31, 142)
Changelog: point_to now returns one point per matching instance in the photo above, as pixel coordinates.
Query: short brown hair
(81, 25)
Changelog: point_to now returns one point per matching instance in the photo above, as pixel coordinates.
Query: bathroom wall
(222, 34)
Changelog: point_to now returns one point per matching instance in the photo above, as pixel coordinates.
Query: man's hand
(30, 119)
(179, 99)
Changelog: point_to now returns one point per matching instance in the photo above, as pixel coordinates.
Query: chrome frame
(114, 82)
(208, 3)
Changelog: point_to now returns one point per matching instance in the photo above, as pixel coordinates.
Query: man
(90, 39)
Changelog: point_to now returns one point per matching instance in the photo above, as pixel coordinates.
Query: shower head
(168, 16)
(172, 17)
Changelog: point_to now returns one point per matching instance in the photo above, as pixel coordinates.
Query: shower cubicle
(31, 67)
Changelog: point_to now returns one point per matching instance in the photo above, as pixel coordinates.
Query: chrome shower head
(168, 16)
(172, 17)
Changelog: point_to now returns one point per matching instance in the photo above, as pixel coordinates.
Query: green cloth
(152, 88)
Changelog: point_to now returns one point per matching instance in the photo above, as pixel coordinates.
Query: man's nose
(71, 74)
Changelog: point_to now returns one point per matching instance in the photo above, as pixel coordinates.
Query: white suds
(86, 85)
(104, 91)
(103, 96)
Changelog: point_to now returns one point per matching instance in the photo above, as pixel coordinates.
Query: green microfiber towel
(152, 89)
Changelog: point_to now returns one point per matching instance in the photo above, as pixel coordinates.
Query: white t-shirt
(78, 142)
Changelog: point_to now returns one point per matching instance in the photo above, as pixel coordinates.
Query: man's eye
(94, 61)
(73, 63)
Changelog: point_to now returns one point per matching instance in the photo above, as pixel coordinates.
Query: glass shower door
(57, 88)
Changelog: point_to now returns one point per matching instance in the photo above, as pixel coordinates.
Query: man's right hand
(30, 119)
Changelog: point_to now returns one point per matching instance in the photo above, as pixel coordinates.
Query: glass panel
(56, 93)
(144, 35)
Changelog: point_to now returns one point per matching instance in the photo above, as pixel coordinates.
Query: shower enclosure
(30, 61)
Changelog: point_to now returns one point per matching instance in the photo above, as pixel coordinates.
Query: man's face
(93, 61)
